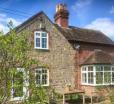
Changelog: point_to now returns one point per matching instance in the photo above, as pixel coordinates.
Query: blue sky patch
(93, 14)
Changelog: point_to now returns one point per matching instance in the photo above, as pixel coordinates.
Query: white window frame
(83, 71)
(90, 72)
(25, 86)
(94, 75)
(41, 79)
(47, 44)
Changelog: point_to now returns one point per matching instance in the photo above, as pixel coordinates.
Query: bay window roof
(99, 57)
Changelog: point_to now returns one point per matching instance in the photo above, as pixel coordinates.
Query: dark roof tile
(84, 35)
(76, 34)
(99, 57)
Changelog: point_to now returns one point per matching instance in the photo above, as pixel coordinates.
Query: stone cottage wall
(60, 56)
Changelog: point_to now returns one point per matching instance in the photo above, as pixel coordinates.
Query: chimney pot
(61, 16)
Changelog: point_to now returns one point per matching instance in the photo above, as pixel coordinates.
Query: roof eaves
(81, 41)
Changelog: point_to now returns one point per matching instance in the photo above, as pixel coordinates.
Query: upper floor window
(40, 40)
(42, 76)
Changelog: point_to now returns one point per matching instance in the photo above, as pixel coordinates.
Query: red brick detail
(63, 22)
(62, 15)
(81, 55)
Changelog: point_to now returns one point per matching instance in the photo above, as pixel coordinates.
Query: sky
(92, 14)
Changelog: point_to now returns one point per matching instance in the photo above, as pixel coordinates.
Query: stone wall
(59, 58)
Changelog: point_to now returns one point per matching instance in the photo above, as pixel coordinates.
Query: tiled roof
(76, 34)
(99, 57)
(84, 35)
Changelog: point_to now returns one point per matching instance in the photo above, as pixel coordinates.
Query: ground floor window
(97, 74)
(42, 76)
(19, 84)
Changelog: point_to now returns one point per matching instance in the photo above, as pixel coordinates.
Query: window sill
(83, 84)
(47, 85)
(41, 48)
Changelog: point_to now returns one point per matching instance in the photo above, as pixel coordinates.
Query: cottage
(76, 57)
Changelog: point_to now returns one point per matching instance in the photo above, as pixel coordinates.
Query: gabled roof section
(85, 35)
(31, 18)
(75, 34)
(99, 57)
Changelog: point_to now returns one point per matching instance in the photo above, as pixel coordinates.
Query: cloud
(4, 20)
(2, 15)
(81, 4)
(81, 7)
(112, 10)
(15, 22)
(3, 28)
(105, 25)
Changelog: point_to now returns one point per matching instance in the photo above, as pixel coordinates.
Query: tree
(14, 49)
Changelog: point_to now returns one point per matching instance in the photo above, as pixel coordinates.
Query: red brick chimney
(62, 15)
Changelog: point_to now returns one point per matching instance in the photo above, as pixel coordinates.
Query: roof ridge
(78, 34)
(86, 29)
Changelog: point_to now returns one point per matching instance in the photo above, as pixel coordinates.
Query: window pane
(107, 68)
(107, 77)
(18, 84)
(84, 68)
(44, 42)
(99, 77)
(38, 79)
(90, 77)
(90, 68)
(112, 77)
(37, 34)
(112, 68)
(38, 71)
(44, 71)
(99, 68)
(84, 77)
(44, 34)
(44, 79)
(37, 42)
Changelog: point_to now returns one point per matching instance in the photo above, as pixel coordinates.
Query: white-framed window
(41, 40)
(19, 89)
(42, 77)
(97, 75)
(112, 74)
(84, 74)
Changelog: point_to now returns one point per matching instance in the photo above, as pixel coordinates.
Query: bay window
(97, 75)
(90, 74)
(84, 75)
